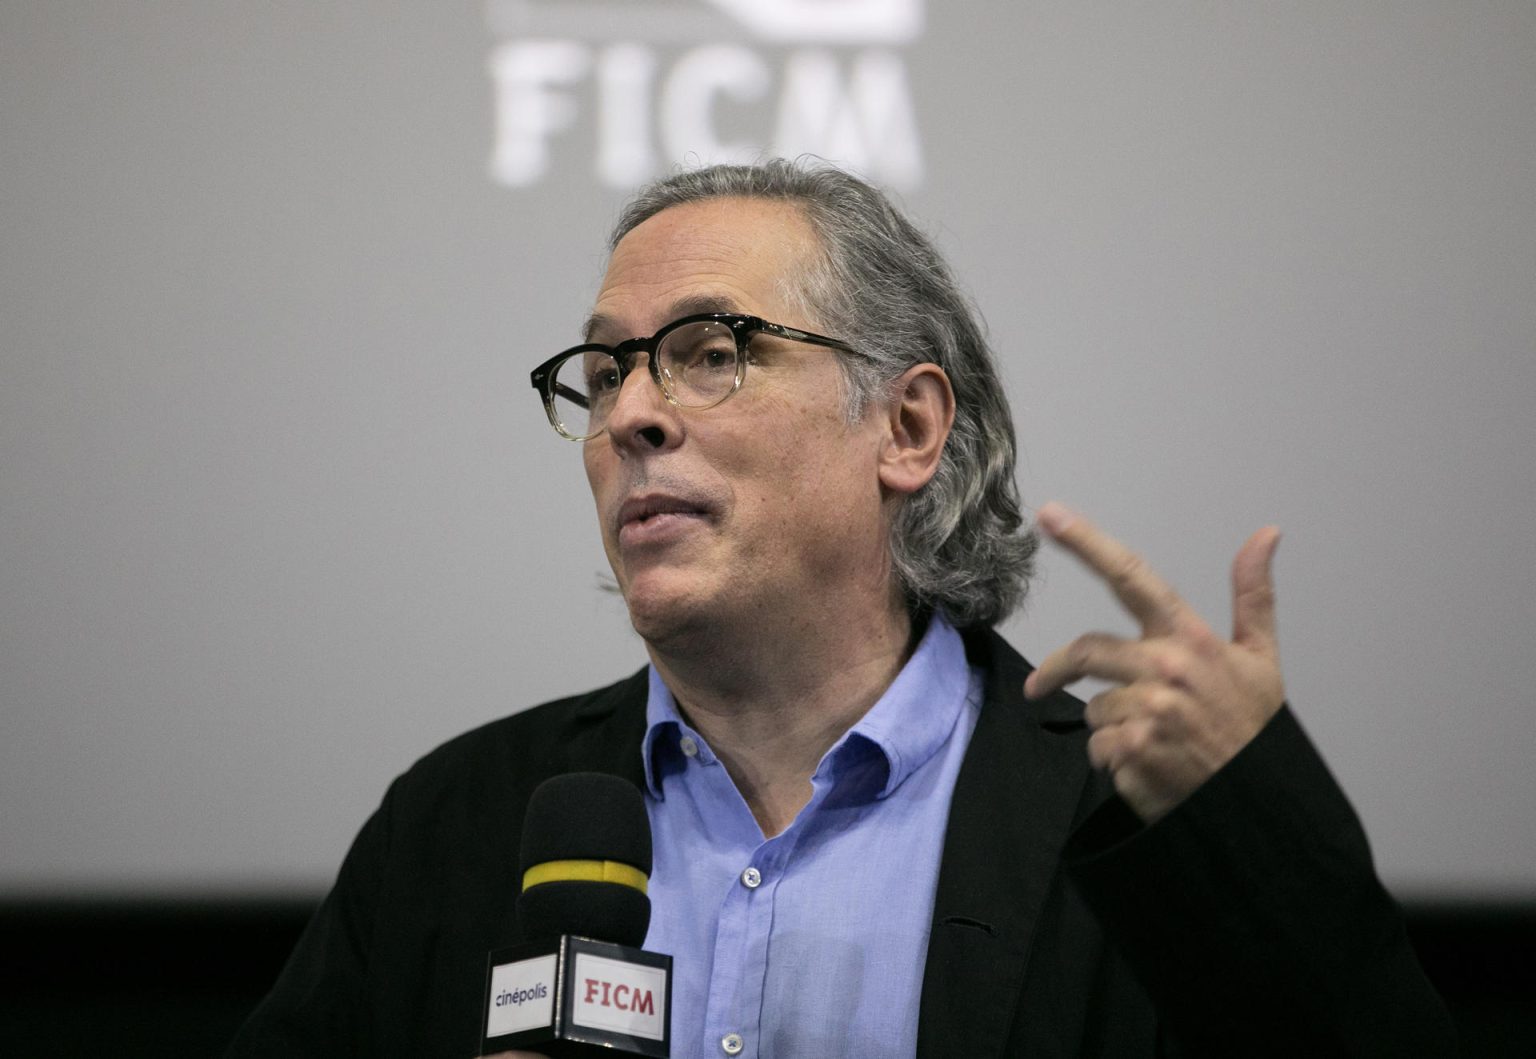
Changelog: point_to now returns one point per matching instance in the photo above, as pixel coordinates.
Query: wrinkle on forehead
(708, 256)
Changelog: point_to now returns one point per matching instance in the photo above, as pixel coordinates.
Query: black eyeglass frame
(743, 328)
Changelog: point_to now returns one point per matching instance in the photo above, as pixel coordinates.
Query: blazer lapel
(611, 729)
(1014, 803)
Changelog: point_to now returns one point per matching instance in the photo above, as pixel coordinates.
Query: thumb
(1253, 591)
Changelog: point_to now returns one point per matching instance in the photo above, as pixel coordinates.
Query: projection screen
(279, 511)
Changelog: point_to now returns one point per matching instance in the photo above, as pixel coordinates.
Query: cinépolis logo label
(517, 997)
(624, 89)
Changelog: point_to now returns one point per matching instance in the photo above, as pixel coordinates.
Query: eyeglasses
(697, 362)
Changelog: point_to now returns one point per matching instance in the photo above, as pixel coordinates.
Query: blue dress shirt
(810, 943)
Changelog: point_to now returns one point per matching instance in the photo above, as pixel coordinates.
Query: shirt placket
(735, 1012)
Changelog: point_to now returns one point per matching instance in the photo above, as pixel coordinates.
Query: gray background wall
(279, 511)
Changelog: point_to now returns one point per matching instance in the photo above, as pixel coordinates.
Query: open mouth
(643, 516)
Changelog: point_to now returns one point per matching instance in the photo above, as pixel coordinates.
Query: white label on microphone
(522, 996)
(617, 996)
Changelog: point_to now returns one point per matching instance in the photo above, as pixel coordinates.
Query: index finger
(1150, 599)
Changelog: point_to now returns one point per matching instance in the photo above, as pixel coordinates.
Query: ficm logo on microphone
(619, 996)
(626, 88)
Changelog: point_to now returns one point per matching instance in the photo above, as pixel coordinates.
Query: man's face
(766, 508)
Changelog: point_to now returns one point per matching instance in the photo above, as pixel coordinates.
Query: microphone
(586, 860)
(581, 985)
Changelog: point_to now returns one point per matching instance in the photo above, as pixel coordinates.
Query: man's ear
(920, 411)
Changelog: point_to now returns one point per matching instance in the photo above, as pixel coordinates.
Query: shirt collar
(906, 725)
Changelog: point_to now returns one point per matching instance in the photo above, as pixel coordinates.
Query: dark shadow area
(1482, 958)
(161, 978)
(137, 977)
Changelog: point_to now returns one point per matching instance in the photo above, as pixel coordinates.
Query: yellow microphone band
(585, 871)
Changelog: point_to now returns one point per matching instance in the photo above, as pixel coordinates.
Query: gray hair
(960, 543)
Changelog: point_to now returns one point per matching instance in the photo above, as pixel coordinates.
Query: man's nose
(642, 419)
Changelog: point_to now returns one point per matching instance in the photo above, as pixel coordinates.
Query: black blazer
(1247, 921)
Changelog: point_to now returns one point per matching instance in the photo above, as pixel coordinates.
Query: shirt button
(690, 748)
(731, 1044)
(751, 879)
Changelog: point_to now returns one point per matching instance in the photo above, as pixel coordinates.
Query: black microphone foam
(586, 853)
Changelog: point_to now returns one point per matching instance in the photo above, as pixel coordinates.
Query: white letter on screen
(529, 109)
(687, 102)
(867, 124)
(624, 74)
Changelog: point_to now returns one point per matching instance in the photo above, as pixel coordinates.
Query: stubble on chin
(674, 619)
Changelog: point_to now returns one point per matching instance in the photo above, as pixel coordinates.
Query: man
(868, 840)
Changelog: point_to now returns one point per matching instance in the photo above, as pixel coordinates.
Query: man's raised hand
(1187, 700)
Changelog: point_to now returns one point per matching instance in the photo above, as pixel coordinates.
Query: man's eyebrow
(595, 323)
(600, 323)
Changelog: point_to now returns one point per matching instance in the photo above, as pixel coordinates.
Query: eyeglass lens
(697, 363)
